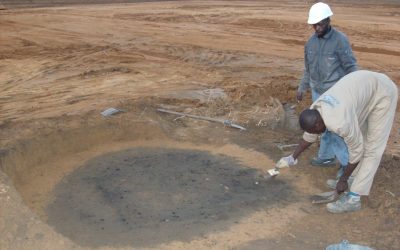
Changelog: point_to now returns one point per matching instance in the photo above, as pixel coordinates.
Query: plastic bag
(345, 245)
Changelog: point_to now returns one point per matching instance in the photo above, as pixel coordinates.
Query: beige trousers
(379, 124)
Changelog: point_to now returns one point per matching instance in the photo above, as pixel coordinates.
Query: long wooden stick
(225, 122)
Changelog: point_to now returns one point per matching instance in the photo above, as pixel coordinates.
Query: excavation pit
(103, 189)
(148, 196)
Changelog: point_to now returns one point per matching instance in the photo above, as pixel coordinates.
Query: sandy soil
(60, 66)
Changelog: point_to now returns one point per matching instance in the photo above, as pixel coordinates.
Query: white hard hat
(319, 12)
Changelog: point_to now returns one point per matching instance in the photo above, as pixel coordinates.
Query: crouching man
(360, 108)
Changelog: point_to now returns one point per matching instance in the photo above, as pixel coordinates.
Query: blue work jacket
(327, 60)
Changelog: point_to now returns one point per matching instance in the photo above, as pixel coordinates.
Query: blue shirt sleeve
(345, 54)
(305, 81)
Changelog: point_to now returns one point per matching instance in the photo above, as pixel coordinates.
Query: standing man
(360, 108)
(327, 58)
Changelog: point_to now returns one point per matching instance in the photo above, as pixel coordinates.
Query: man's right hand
(342, 185)
(299, 96)
(286, 162)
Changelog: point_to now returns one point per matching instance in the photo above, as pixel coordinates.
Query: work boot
(316, 161)
(346, 203)
(331, 183)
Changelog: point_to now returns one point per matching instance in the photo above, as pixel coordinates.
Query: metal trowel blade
(273, 172)
(325, 197)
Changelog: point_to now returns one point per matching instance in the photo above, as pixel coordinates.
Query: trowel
(273, 172)
(325, 197)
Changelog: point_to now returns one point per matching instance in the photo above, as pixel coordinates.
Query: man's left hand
(299, 96)
(341, 186)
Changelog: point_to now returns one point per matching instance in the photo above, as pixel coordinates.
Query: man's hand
(299, 96)
(341, 186)
(285, 162)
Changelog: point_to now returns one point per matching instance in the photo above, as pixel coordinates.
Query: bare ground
(61, 66)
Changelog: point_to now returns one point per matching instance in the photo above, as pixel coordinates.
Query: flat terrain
(72, 179)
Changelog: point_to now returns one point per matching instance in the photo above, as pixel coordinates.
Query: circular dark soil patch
(144, 197)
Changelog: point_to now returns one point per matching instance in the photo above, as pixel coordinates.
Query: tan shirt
(345, 107)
